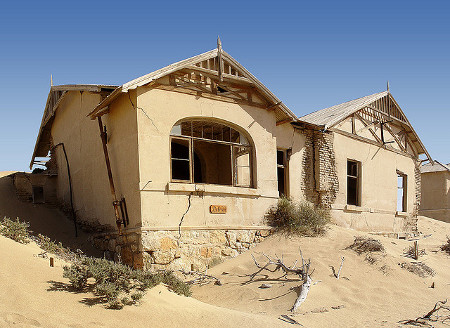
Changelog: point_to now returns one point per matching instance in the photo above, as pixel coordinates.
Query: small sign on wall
(217, 209)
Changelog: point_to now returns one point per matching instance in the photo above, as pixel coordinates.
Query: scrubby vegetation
(15, 230)
(114, 283)
(446, 246)
(303, 218)
(53, 247)
(117, 284)
(410, 252)
(366, 245)
(418, 268)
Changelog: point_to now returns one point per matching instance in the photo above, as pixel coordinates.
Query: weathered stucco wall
(436, 195)
(81, 137)
(165, 203)
(378, 207)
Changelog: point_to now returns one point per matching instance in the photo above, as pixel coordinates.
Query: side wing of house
(376, 162)
(72, 140)
(435, 201)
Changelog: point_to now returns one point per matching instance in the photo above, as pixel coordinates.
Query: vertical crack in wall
(182, 217)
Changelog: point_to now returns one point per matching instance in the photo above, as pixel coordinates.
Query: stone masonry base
(195, 249)
(189, 250)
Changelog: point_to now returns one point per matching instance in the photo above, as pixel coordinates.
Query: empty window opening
(38, 195)
(282, 172)
(353, 183)
(210, 152)
(401, 192)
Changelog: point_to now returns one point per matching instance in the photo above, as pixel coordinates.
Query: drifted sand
(32, 294)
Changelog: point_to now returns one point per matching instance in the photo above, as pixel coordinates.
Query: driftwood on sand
(302, 272)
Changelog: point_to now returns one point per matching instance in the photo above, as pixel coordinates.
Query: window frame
(358, 177)
(285, 167)
(191, 139)
(404, 191)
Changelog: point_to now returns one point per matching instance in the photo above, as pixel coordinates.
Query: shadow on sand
(44, 220)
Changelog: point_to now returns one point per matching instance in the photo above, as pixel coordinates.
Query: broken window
(401, 192)
(282, 172)
(353, 183)
(210, 152)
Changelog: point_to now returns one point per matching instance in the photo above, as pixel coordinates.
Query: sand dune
(366, 295)
(32, 294)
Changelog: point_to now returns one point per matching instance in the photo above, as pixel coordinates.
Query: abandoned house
(182, 164)
(435, 201)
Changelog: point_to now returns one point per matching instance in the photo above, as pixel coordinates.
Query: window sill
(402, 214)
(354, 208)
(211, 189)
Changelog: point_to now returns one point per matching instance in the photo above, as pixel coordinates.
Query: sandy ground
(32, 294)
(366, 295)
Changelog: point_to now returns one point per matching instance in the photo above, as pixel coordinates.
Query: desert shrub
(409, 252)
(446, 246)
(53, 247)
(297, 218)
(366, 245)
(15, 230)
(118, 284)
(418, 268)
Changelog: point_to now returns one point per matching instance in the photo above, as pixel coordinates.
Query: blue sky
(310, 54)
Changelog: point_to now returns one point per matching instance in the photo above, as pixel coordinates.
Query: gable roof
(281, 109)
(382, 102)
(436, 167)
(328, 117)
(54, 99)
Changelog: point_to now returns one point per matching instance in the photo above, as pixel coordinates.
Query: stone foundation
(125, 248)
(195, 249)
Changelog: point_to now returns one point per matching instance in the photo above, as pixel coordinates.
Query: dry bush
(418, 268)
(446, 247)
(15, 230)
(303, 218)
(366, 245)
(409, 252)
(117, 284)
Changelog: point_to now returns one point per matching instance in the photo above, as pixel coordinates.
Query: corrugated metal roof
(330, 116)
(436, 167)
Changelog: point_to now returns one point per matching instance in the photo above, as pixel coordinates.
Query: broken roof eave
(48, 118)
(102, 107)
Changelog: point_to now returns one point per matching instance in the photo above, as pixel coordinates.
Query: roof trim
(436, 167)
(149, 78)
(325, 117)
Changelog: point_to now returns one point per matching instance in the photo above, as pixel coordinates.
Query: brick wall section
(410, 222)
(320, 182)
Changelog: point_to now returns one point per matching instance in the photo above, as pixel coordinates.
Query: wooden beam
(284, 121)
(369, 141)
(367, 125)
(274, 106)
(207, 95)
(395, 137)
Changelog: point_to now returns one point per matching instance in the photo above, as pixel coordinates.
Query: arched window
(210, 152)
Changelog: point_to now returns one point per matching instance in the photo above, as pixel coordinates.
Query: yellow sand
(366, 295)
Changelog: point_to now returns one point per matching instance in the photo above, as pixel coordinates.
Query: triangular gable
(214, 72)
(379, 108)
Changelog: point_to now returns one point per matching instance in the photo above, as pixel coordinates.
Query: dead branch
(435, 315)
(278, 265)
(200, 278)
(340, 268)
